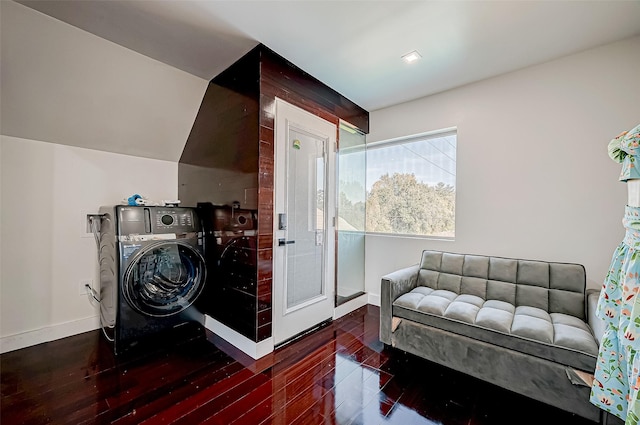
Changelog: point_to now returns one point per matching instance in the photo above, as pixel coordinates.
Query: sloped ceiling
(128, 76)
(59, 84)
(355, 46)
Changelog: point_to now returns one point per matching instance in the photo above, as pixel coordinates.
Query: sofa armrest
(392, 286)
(596, 324)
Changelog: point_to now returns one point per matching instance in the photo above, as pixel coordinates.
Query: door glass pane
(306, 217)
(351, 213)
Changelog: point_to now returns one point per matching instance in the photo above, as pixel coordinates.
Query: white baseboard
(349, 306)
(253, 349)
(345, 291)
(48, 333)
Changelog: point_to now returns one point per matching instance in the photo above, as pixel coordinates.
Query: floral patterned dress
(617, 381)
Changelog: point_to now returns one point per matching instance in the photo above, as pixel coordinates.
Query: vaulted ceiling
(355, 47)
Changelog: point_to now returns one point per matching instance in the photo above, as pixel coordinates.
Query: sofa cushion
(532, 323)
(503, 291)
(550, 286)
(556, 337)
(503, 269)
(496, 315)
(534, 273)
(476, 266)
(436, 302)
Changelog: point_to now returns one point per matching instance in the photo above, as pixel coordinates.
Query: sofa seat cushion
(556, 337)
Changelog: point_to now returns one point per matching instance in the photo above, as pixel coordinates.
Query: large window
(411, 185)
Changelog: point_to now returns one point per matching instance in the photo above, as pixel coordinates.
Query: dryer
(152, 270)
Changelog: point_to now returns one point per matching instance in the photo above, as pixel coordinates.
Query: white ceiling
(355, 46)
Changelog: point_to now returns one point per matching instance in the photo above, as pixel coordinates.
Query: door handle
(282, 242)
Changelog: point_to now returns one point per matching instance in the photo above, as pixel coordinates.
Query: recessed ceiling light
(411, 57)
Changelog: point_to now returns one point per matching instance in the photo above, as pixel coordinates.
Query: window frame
(434, 134)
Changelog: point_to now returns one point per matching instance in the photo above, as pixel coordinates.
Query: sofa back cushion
(553, 287)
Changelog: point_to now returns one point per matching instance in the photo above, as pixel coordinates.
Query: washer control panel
(141, 220)
(173, 218)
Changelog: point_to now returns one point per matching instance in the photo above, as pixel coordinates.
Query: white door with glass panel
(304, 230)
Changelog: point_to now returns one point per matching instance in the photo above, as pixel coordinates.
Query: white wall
(533, 176)
(61, 84)
(64, 90)
(47, 190)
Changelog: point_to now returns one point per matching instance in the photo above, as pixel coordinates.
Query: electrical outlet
(83, 290)
(87, 224)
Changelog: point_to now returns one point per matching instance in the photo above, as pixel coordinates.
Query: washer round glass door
(164, 278)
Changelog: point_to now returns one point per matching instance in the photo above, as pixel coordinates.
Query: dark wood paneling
(266, 172)
(264, 291)
(234, 130)
(265, 266)
(267, 111)
(225, 136)
(281, 78)
(225, 132)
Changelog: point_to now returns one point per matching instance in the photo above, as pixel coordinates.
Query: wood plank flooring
(340, 374)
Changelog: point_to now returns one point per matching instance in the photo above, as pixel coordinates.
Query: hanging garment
(625, 149)
(616, 383)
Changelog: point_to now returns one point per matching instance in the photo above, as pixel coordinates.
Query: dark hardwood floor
(340, 374)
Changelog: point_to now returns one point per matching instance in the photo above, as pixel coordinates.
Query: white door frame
(287, 323)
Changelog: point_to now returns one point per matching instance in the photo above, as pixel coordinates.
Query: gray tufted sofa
(527, 326)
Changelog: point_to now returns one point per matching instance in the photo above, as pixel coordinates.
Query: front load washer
(152, 270)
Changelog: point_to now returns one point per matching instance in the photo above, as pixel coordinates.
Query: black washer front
(164, 278)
